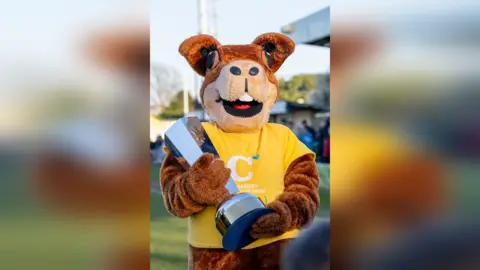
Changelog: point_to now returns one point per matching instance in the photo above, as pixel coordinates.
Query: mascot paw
(273, 224)
(207, 179)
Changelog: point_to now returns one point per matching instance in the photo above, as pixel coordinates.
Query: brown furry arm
(301, 191)
(175, 196)
(188, 192)
(297, 205)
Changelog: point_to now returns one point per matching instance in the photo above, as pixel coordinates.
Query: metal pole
(203, 29)
(214, 18)
(202, 9)
(185, 101)
(185, 94)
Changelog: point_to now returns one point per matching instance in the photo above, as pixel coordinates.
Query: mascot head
(240, 87)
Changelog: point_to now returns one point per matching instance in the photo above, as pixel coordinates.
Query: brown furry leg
(270, 256)
(219, 259)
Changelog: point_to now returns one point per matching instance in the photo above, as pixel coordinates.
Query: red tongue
(241, 106)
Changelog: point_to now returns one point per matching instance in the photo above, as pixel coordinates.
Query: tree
(298, 87)
(321, 96)
(165, 83)
(287, 92)
(175, 108)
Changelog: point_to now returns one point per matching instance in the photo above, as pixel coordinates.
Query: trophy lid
(187, 139)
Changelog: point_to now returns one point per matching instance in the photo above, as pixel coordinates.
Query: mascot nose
(235, 70)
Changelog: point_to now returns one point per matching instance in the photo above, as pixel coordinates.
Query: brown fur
(262, 258)
(230, 53)
(190, 49)
(297, 205)
(220, 83)
(188, 192)
(284, 47)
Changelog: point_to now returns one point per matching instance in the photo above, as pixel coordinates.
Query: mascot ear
(276, 48)
(201, 52)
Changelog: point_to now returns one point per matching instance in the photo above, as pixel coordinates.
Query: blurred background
(404, 107)
(304, 89)
(74, 167)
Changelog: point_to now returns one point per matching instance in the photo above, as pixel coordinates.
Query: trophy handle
(232, 187)
(235, 217)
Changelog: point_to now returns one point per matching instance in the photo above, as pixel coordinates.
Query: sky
(45, 36)
(238, 22)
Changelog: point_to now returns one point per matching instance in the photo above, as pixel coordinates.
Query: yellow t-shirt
(277, 147)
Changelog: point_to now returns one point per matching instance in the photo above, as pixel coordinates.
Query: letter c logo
(232, 165)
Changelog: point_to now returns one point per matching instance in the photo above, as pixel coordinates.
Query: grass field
(168, 234)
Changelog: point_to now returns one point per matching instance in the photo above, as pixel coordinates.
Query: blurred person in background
(323, 139)
(324, 142)
(291, 126)
(310, 129)
(320, 140)
(306, 137)
(158, 153)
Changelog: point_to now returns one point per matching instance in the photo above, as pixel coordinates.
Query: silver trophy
(188, 140)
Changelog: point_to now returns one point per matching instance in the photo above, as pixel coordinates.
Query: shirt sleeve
(295, 149)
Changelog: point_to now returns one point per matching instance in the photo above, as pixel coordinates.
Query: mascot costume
(263, 158)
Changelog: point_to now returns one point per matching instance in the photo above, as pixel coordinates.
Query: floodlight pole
(206, 22)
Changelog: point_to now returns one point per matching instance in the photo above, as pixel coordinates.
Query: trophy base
(235, 218)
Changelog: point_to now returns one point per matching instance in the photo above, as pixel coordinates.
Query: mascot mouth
(241, 108)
